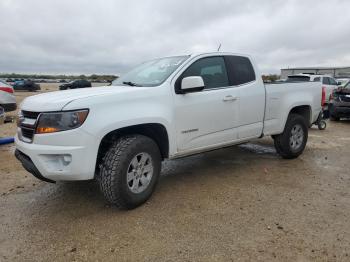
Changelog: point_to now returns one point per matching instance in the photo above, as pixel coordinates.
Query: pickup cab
(163, 109)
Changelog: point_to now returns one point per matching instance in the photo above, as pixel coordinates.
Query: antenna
(219, 47)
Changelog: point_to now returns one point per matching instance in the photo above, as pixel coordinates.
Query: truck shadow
(84, 198)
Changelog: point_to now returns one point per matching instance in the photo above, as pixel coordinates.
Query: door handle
(229, 98)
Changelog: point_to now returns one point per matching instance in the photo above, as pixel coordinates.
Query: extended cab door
(209, 117)
(251, 92)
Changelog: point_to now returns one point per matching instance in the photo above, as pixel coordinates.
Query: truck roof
(217, 53)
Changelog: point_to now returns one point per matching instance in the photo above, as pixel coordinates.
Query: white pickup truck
(163, 109)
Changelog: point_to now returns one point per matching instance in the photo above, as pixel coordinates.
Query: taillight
(6, 89)
(323, 101)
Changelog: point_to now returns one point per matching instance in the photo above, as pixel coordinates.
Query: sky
(112, 36)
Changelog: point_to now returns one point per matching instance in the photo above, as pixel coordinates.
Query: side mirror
(192, 84)
(339, 83)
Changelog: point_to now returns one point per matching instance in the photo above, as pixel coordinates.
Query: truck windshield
(152, 73)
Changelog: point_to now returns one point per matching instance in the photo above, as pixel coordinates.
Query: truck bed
(281, 97)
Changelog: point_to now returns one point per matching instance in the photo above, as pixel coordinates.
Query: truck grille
(27, 125)
(32, 115)
(344, 98)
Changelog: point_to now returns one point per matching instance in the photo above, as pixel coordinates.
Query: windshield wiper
(131, 84)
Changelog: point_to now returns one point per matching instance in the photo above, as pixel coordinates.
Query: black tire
(282, 141)
(322, 125)
(115, 165)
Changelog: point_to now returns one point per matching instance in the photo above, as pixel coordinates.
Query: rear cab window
(240, 70)
(325, 81)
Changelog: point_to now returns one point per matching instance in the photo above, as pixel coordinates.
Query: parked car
(342, 81)
(164, 109)
(26, 85)
(339, 106)
(75, 84)
(2, 115)
(328, 82)
(7, 97)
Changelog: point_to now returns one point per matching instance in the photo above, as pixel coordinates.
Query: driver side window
(332, 81)
(325, 81)
(211, 69)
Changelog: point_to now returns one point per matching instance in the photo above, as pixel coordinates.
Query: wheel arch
(303, 110)
(155, 131)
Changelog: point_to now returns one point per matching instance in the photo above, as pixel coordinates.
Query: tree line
(94, 77)
(270, 78)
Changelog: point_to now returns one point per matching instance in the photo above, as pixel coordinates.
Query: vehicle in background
(328, 82)
(2, 115)
(163, 109)
(342, 81)
(7, 97)
(339, 106)
(75, 84)
(26, 85)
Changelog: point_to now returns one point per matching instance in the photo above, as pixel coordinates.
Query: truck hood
(56, 101)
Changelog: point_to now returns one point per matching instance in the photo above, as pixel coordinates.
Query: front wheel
(291, 143)
(129, 171)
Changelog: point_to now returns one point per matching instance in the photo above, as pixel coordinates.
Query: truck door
(208, 117)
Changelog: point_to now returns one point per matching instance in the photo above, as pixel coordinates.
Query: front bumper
(28, 165)
(62, 156)
(339, 111)
(9, 107)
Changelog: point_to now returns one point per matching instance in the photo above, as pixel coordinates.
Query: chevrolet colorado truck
(163, 109)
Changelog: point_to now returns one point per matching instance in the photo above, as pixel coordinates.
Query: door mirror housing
(192, 84)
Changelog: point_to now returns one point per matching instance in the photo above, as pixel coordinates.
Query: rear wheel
(129, 171)
(291, 143)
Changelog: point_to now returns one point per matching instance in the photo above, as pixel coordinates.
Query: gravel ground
(242, 203)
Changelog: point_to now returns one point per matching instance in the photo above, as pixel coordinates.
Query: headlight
(60, 121)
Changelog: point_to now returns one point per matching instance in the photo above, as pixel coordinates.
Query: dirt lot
(242, 204)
